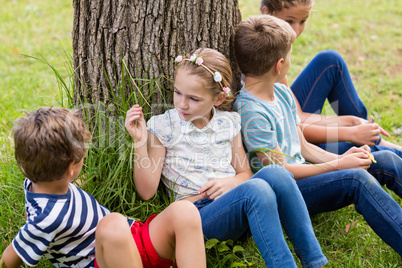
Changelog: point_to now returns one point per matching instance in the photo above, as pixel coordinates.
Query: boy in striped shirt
(69, 227)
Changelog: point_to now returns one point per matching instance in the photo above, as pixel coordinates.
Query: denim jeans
(334, 190)
(327, 77)
(261, 204)
(388, 170)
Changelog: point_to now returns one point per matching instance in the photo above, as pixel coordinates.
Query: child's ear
(220, 98)
(265, 10)
(70, 169)
(278, 66)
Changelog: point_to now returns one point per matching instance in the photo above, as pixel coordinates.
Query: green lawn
(366, 32)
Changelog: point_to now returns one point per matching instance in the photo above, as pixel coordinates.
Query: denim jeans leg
(327, 77)
(334, 190)
(294, 215)
(376, 148)
(252, 205)
(388, 170)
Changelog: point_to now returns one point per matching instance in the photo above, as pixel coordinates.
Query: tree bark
(113, 40)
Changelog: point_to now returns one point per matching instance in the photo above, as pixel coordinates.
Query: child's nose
(183, 104)
(296, 29)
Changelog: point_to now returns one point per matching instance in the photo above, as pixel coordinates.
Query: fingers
(356, 149)
(210, 190)
(365, 160)
(376, 129)
(370, 143)
(135, 123)
(133, 114)
(383, 132)
(205, 187)
(366, 148)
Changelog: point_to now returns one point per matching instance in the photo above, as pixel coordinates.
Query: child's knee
(385, 157)
(361, 178)
(276, 176)
(110, 227)
(330, 57)
(259, 194)
(184, 213)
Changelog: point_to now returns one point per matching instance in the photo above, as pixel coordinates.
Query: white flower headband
(199, 61)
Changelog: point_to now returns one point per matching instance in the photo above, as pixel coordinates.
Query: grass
(366, 33)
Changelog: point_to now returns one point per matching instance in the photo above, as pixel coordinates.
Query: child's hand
(382, 131)
(367, 132)
(135, 123)
(215, 188)
(355, 158)
(365, 149)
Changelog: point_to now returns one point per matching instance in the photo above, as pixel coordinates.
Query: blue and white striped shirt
(266, 124)
(60, 227)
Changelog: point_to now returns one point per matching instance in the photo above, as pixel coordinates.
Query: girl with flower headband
(197, 147)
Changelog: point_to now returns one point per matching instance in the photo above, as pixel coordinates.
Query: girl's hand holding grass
(135, 123)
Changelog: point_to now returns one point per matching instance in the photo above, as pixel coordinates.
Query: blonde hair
(278, 5)
(47, 141)
(213, 61)
(260, 42)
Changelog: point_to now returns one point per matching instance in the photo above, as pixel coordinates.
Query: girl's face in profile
(192, 100)
(296, 16)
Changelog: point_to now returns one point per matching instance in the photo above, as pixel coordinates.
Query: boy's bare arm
(298, 171)
(326, 162)
(274, 156)
(313, 153)
(10, 259)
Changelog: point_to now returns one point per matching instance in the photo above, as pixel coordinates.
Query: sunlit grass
(365, 33)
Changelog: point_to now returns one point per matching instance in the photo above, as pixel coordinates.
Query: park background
(367, 33)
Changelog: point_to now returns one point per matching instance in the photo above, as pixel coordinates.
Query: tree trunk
(113, 40)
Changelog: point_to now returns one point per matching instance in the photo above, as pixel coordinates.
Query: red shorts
(149, 257)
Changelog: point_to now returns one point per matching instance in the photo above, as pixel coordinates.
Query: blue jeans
(261, 204)
(334, 190)
(327, 77)
(388, 170)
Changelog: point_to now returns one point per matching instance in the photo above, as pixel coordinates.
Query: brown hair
(215, 62)
(47, 141)
(260, 42)
(279, 5)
